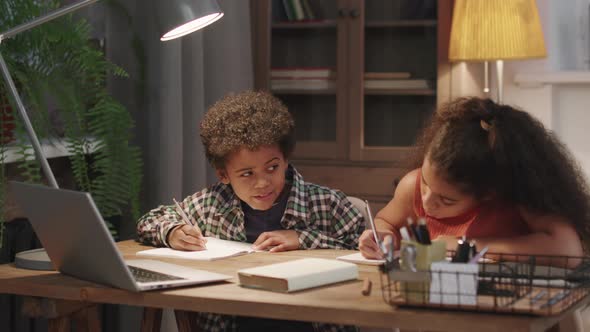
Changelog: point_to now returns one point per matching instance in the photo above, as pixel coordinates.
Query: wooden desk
(341, 303)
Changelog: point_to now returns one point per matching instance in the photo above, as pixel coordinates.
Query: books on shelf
(303, 72)
(301, 84)
(298, 274)
(397, 84)
(386, 75)
(216, 249)
(293, 10)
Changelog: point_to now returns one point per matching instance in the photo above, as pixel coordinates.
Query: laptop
(79, 243)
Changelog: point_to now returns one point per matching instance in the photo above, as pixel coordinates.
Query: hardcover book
(298, 274)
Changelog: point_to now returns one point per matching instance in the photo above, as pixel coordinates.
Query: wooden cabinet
(360, 77)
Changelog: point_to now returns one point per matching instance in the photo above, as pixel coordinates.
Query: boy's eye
(273, 167)
(246, 174)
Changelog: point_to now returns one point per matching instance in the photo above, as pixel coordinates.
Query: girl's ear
(222, 176)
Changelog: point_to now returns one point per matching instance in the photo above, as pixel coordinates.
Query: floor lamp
(175, 18)
(496, 30)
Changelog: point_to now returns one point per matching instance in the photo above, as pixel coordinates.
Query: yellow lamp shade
(487, 30)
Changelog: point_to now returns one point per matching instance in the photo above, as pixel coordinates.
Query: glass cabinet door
(397, 74)
(306, 71)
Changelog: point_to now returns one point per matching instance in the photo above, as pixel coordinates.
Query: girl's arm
(551, 235)
(391, 217)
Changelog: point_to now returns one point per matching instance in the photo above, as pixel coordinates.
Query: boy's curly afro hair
(249, 119)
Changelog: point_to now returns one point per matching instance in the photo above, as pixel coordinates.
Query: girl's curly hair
(485, 147)
(249, 119)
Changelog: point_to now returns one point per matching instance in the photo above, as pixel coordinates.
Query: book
(306, 72)
(298, 274)
(216, 249)
(289, 11)
(298, 9)
(309, 14)
(386, 75)
(303, 84)
(396, 84)
(359, 259)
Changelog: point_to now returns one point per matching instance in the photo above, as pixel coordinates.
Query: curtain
(170, 87)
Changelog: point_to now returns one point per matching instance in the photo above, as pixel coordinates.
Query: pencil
(185, 217)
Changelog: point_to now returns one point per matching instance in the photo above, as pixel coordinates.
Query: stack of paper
(216, 249)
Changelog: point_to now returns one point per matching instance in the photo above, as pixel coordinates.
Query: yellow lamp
(496, 30)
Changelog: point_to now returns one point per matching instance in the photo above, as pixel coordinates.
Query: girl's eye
(447, 202)
(273, 167)
(246, 174)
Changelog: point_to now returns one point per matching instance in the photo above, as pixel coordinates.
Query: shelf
(325, 24)
(409, 92)
(53, 148)
(401, 24)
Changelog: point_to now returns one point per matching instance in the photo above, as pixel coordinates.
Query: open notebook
(216, 249)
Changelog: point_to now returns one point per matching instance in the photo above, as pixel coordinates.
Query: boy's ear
(222, 176)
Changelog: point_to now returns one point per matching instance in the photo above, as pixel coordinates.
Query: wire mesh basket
(519, 284)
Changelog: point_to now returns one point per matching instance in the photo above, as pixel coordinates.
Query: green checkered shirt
(323, 218)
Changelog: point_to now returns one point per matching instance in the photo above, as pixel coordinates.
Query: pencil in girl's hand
(185, 217)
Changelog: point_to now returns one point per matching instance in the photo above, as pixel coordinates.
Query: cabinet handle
(342, 12)
(354, 13)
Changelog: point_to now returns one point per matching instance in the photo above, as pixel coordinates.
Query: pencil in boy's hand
(185, 217)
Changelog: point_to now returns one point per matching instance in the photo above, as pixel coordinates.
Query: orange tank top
(492, 219)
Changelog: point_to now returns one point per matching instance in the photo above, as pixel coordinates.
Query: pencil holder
(415, 261)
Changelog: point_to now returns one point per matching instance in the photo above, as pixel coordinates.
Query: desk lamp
(175, 18)
(495, 30)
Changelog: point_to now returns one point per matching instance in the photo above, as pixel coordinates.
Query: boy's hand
(279, 241)
(186, 237)
(367, 244)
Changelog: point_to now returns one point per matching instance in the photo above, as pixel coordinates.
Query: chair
(361, 206)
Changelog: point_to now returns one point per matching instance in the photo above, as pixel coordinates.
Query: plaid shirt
(323, 218)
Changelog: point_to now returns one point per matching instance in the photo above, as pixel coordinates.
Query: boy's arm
(155, 226)
(344, 227)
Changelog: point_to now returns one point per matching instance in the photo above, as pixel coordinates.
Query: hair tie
(484, 125)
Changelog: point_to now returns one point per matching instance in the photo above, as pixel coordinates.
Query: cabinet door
(302, 60)
(394, 55)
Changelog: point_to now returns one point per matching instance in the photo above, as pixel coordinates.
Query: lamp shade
(487, 30)
(176, 18)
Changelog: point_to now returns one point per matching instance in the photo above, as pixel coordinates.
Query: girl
(494, 174)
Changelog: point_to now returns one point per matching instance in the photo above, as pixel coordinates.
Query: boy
(260, 198)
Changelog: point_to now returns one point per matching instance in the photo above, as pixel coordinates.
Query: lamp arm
(45, 18)
(27, 123)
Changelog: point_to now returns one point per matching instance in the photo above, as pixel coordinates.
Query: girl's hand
(186, 237)
(277, 241)
(367, 244)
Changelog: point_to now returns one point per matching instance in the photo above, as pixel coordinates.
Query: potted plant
(55, 64)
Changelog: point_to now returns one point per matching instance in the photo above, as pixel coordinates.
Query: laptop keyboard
(143, 275)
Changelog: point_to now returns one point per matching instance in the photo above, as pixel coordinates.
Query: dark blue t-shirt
(257, 221)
